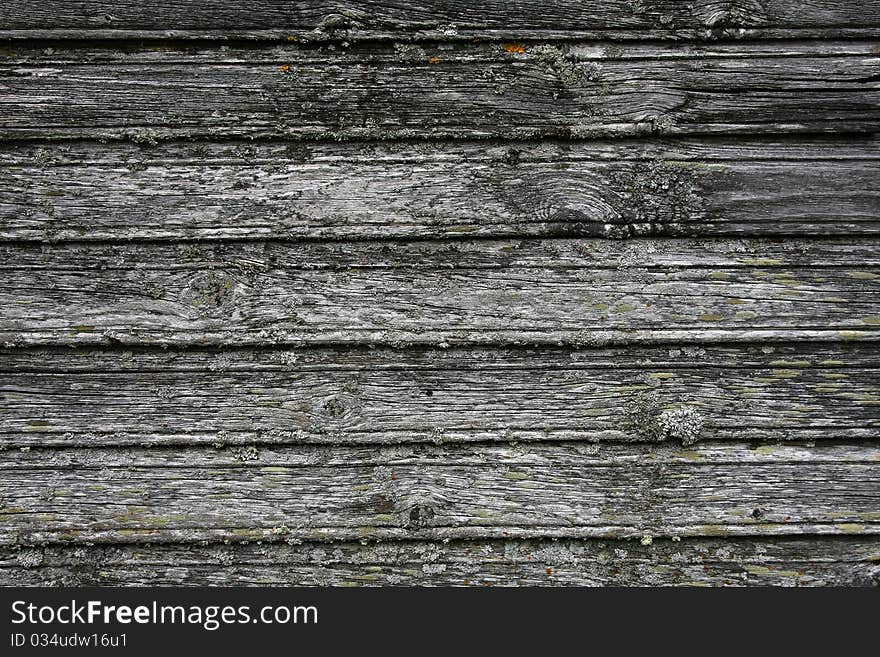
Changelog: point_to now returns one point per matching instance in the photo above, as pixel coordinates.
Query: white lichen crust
(684, 423)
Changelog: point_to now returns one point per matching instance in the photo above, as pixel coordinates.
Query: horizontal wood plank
(476, 52)
(548, 490)
(514, 292)
(745, 561)
(450, 90)
(241, 398)
(277, 190)
(364, 17)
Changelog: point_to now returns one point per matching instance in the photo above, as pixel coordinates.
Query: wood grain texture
(522, 292)
(240, 398)
(449, 90)
(349, 19)
(375, 293)
(733, 561)
(385, 190)
(546, 490)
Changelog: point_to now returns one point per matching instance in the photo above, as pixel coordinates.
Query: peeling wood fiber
(370, 293)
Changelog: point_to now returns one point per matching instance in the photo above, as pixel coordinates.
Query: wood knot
(418, 516)
(720, 15)
(208, 292)
(346, 19)
(344, 403)
(334, 407)
(512, 157)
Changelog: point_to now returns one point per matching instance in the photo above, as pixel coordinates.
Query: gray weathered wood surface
(345, 493)
(432, 19)
(369, 190)
(731, 561)
(512, 291)
(451, 90)
(370, 293)
(816, 392)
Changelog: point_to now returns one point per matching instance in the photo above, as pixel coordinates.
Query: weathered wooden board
(42, 53)
(813, 392)
(462, 492)
(452, 90)
(218, 190)
(745, 561)
(578, 291)
(350, 19)
(280, 282)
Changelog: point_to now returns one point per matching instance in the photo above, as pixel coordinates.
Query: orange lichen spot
(549, 571)
(515, 47)
(292, 37)
(284, 68)
(434, 60)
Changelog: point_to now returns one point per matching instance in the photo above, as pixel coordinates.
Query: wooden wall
(496, 293)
